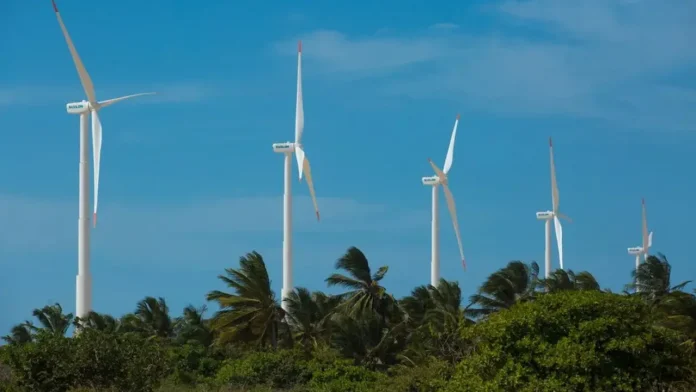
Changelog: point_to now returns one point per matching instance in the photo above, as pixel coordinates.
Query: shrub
(93, 359)
(278, 369)
(572, 341)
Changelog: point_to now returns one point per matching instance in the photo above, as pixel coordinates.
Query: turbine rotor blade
(300, 156)
(554, 184)
(310, 184)
(453, 214)
(96, 154)
(299, 108)
(81, 71)
(559, 238)
(564, 216)
(449, 158)
(440, 174)
(109, 102)
(645, 227)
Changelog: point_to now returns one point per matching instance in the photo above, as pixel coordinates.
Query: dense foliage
(518, 333)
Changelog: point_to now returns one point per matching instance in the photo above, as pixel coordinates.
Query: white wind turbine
(84, 109)
(440, 178)
(647, 240)
(552, 215)
(287, 149)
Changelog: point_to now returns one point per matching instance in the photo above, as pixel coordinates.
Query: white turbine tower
(552, 215)
(84, 109)
(440, 178)
(647, 240)
(287, 149)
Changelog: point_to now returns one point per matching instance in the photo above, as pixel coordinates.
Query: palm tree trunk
(274, 335)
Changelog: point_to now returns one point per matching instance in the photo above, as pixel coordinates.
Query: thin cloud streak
(42, 226)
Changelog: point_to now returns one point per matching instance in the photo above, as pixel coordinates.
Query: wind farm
(204, 274)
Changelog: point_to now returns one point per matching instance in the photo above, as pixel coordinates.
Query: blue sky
(189, 182)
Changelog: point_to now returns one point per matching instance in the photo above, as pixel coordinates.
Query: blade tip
(457, 116)
(642, 201)
(94, 219)
(299, 46)
(55, 7)
(318, 218)
(550, 142)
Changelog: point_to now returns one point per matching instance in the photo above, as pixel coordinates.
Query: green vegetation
(519, 333)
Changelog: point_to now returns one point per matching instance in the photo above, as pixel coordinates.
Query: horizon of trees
(518, 332)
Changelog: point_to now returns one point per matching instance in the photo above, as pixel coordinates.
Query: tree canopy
(518, 332)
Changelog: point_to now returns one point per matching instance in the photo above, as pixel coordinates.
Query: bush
(93, 359)
(278, 369)
(573, 341)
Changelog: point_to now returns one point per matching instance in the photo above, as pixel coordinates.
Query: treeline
(519, 332)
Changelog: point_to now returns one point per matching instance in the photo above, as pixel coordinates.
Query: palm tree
(417, 305)
(191, 326)
(310, 315)
(252, 310)
(97, 321)
(560, 280)
(52, 319)
(367, 340)
(20, 334)
(677, 310)
(447, 312)
(152, 318)
(366, 294)
(436, 318)
(514, 283)
(652, 279)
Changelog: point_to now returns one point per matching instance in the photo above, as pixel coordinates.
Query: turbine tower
(554, 215)
(288, 149)
(440, 178)
(84, 109)
(647, 240)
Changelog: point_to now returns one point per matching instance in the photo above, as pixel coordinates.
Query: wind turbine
(647, 240)
(440, 178)
(552, 215)
(288, 148)
(84, 109)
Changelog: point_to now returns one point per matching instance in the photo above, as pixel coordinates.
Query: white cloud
(445, 26)
(598, 59)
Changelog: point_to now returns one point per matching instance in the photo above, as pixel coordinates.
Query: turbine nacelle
(431, 181)
(544, 215)
(636, 250)
(284, 148)
(78, 107)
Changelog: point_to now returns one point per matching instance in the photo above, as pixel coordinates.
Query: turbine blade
(310, 184)
(300, 156)
(564, 216)
(645, 227)
(453, 214)
(450, 151)
(112, 101)
(554, 184)
(440, 174)
(96, 153)
(559, 239)
(299, 108)
(81, 71)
